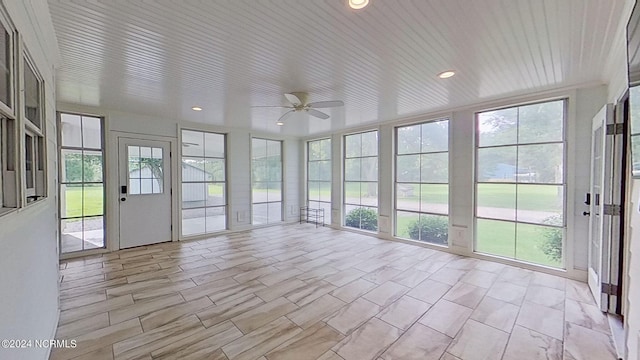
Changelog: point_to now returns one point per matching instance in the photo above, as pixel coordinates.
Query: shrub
(551, 241)
(362, 218)
(433, 229)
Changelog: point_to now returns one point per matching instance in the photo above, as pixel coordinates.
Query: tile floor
(297, 292)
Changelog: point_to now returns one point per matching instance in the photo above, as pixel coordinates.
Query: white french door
(599, 222)
(144, 191)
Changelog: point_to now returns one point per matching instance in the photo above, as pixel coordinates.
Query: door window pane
(266, 170)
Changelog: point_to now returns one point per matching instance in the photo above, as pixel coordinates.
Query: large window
(319, 176)
(266, 181)
(361, 181)
(634, 115)
(81, 182)
(520, 188)
(204, 195)
(422, 182)
(9, 131)
(34, 144)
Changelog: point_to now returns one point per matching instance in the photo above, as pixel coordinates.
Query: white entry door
(145, 192)
(601, 161)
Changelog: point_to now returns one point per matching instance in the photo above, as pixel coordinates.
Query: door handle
(123, 199)
(586, 213)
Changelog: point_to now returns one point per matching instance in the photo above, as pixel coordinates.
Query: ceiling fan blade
(293, 99)
(326, 104)
(286, 115)
(318, 114)
(275, 106)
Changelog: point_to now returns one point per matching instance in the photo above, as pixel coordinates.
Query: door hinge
(615, 129)
(609, 289)
(611, 209)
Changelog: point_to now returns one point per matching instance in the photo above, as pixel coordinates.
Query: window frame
(344, 180)
(563, 184)
(420, 183)
(225, 183)
(11, 190)
(327, 216)
(62, 182)
(281, 201)
(40, 190)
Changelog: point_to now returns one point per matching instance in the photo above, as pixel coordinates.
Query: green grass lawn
(93, 197)
(500, 238)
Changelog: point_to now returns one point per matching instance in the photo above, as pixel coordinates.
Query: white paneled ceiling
(162, 57)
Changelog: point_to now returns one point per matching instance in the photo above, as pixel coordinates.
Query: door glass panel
(145, 170)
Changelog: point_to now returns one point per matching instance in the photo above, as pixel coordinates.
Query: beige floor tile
(82, 326)
(404, 312)
(315, 311)
(262, 340)
(164, 290)
(143, 344)
(586, 315)
(418, 343)
(272, 279)
(547, 280)
(330, 355)
(187, 274)
(216, 276)
(579, 291)
(86, 299)
(447, 356)
(171, 313)
(105, 353)
(318, 274)
(353, 290)
(153, 274)
(382, 275)
(499, 314)
(386, 293)
(137, 287)
(478, 341)
(506, 291)
(344, 277)
(528, 344)
(429, 291)
(465, 294)
(205, 353)
(97, 339)
(280, 289)
(448, 276)
(463, 263)
(489, 266)
(585, 344)
(254, 274)
(263, 314)
(545, 296)
(143, 307)
(542, 319)
(516, 276)
(309, 344)
(368, 341)
(446, 317)
(411, 277)
(312, 291)
(353, 315)
(90, 287)
(219, 313)
(235, 292)
(205, 339)
(483, 279)
(208, 288)
(82, 312)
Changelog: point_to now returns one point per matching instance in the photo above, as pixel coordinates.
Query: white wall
(28, 237)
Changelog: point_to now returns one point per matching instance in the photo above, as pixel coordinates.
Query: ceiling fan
(300, 103)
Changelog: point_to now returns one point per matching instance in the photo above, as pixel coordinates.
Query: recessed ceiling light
(446, 74)
(358, 4)
(196, 108)
(279, 123)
